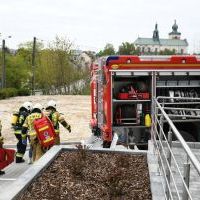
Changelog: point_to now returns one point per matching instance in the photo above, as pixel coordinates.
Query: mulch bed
(88, 175)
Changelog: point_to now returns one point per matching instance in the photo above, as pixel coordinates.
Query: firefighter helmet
(38, 106)
(28, 105)
(51, 103)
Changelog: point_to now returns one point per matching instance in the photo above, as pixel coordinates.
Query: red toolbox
(6, 157)
(123, 96)
(134, 95)
(129, 92)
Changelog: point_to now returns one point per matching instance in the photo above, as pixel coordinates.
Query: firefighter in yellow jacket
(56, 118)
(28, 127)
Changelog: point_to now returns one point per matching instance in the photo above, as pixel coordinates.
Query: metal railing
(168, 164)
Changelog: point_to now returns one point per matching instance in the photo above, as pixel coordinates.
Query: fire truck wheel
(106, 144)
(187, 136)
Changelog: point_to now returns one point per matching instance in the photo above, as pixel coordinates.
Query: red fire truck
(123, 89)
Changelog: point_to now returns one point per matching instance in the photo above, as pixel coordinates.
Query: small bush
(12, 92)
(114, 183)
(23, 92)
(79, 161)
(8, 92)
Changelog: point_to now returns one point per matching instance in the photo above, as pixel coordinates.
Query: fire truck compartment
(129, 108)
(124, 90)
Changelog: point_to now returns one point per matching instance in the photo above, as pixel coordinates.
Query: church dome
(175, 27)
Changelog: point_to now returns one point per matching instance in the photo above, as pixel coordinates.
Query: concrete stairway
(181, 158)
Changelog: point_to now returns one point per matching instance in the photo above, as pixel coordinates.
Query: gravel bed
(88, 175)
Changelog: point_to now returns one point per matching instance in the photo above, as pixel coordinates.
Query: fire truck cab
(123, 89)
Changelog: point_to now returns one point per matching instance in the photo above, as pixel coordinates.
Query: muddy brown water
(75, 108)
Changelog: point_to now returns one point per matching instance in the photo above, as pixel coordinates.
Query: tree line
(55, 71)
(127, 48)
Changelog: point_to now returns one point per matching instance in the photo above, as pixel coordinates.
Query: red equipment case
(45, 131)
(133, 94)
(6, 157)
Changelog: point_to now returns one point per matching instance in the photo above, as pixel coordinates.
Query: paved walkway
(12, 172)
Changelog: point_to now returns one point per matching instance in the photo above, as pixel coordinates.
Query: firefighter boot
(2, 172)
(19, 159)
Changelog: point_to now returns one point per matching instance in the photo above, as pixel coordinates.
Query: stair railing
(162, 141)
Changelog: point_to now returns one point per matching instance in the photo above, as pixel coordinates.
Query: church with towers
(156, 44)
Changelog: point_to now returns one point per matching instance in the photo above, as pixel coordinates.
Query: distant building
(155, 44)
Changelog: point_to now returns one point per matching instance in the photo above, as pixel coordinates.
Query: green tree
(127, 48)
(58, 65)
(56, 72)
(16, 72)
(29, 45)
(107, 51)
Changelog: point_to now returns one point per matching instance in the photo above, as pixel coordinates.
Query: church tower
(175, 34)
(156, 33)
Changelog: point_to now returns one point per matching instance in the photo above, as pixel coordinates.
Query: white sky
(90, 24)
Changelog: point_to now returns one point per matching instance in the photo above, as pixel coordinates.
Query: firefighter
(17, 122)
(56, 118)
(28, 127)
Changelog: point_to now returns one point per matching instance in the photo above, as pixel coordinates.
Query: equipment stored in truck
(123, 89)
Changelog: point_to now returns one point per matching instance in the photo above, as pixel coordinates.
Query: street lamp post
(3, 71)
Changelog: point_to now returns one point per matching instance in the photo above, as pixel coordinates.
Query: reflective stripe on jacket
(56, 118)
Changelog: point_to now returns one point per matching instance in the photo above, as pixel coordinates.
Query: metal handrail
(168, 184)
(157, 122)
(175, 162)
(187, 149)
(181, 98)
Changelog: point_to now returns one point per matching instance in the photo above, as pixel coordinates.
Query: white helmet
(38, 106)
(28, 105)
(51, 103)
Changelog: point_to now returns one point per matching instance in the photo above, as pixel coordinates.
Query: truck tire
(187, 136)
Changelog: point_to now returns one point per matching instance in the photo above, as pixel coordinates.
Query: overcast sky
(90, 24)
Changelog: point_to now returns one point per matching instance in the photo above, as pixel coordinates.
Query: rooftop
(162, 42)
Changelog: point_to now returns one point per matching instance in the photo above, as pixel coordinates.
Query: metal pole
(161, 127)
(153, 105)
(3, 73)
(169, 161)
(33, 66)
(186, 179)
